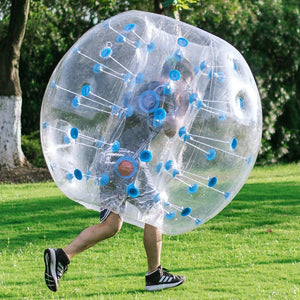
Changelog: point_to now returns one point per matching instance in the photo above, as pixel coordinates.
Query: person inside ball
(156, 108)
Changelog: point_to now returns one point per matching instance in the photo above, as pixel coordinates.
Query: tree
(267, 34)
(52, 28)
(11, 154)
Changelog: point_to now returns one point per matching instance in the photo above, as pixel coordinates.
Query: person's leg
(94, 234)
(57, 260)
(157, 277)
(152, 244)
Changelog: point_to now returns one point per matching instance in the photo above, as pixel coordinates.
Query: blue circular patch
(175, 173)
(75, 102)
(148, 101)
(74, 133)
(69, 176)
(120, 39)
(132, 191)
(212, 181)
(182, 131)
(115, 146)
(211, 154)
(233, 143)
(85, 90)
(106, 52)
(97, 68)
(170, 215)
(160, 113)
(193, 188)
(138, 44)
(203, 65)
(186, 211)
(193, 97)
(150, 47)
(145, 156)
(198, 221)
(100, 143)
(114, 109)
(169, 165)
(199, 104)
(156, 198)
(167, 90)
(129, 27)
(174, 75)
(129, 111)
(186, 137)
(78, 174)
(104, 179)
(182, 42)
(158, 167)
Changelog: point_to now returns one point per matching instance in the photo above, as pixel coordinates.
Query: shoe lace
(166, 272)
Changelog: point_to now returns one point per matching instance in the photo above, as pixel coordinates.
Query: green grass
(251, 250)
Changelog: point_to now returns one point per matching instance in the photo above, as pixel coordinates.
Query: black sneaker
(56, 263)
(162, 279)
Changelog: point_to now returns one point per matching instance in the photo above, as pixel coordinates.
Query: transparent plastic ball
(153, 119)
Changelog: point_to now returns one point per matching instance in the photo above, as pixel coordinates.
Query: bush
(32, 149)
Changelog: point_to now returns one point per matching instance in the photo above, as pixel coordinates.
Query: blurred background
(266, 32)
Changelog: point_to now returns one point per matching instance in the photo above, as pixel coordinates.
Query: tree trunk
(11, 154)
(167, 8)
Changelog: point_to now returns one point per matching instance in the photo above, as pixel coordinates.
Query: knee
(113, 225)
(115, 228)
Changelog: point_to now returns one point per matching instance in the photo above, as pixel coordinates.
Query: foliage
(266, 32)
(52, 28)
(276, 43)
(32, 149)
(249, 251)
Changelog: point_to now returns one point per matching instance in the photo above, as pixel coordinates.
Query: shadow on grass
(28, 221)
(122, 292)
(260, 204)
(256, 205)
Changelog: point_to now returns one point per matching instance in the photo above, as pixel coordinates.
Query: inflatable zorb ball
(154, 119)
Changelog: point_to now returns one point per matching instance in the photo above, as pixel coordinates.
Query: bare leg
(94, 234)
(152, 244)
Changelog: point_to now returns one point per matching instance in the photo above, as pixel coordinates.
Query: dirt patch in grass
(24, 175)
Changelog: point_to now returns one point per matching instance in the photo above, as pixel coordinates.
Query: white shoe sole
(162, 286)
(49, 256)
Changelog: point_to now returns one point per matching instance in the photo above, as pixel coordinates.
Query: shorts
(113, 194)
(104, 213)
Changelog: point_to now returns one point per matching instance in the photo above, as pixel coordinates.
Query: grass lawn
(251, 250)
